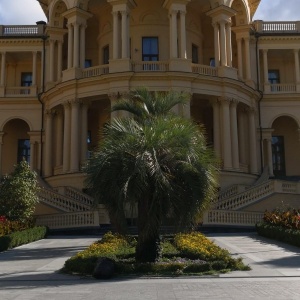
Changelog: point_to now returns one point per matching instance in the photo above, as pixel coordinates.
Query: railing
(257, 193)
(21, 30)
(204, 70)
(150, 66)
(61, 202)
(95, 71)
(277, 27)
(77, 195)
(225, 217)
(282, 88)
(70, 220)
(19, 91)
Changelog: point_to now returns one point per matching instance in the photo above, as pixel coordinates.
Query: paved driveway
(30, 272)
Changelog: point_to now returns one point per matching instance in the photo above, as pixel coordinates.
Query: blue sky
(23, 12)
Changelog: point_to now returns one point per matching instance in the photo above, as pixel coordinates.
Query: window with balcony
(26, 80)
(106, 55)
(273, 76)
(23, 150)
(150, 48)
(195, 59)
(87, 63)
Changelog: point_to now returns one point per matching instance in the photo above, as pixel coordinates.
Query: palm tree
(157, 161)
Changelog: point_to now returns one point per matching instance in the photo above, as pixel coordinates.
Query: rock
(104, 269)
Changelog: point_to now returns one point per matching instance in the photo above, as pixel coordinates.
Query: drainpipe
(257, 35)
(44, 38)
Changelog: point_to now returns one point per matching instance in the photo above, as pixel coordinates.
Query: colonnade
(231, 130)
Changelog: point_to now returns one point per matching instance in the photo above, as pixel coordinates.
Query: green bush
(7, 227)
(290, 236)
(22, 237)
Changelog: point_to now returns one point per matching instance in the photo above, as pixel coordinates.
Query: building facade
(59, 79)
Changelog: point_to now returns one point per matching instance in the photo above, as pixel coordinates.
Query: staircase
(244, 206)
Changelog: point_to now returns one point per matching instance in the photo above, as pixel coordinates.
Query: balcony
(21, 30)
(277, 27)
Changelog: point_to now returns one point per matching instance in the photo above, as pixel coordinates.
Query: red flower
(2, 219)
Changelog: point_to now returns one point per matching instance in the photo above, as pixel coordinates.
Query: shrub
(285, 218)
(7, 227)
(22, 237)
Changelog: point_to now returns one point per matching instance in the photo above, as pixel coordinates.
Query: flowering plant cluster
(7, 226)
(196, 245)
(288, 218)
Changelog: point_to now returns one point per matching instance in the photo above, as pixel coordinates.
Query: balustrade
(204, 70)
(145, 66)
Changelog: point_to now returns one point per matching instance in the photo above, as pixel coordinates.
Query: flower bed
(182, 254)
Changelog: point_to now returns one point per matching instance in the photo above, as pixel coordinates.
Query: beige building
(58, 81)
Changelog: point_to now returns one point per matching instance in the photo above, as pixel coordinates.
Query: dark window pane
(23, 150)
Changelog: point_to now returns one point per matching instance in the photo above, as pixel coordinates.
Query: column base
(120, 65)
(72, 73)
(228, 72)
(180, 65)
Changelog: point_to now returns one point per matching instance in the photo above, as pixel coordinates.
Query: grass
(182, 254)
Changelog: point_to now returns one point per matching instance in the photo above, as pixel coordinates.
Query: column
(70, 46)
(266, 68)
(234, 135)
(240, 58)
(59, 139)
(76, 45)
(228, 44)
(59, 59)
(32, 155)
(125, 37)
(223, 43)
(174, 35)
(216, 116)
(296, 55)
(67, 137)
(227, 159)
(74, 161)
(242, 137)
(84, 132)
(34, 56)
(82, 45)
(116, 35)
(3, 64)
(270, 158)
(48, 141)
(252, 142)
(1, 143)
(182, 35)
(247, 58)
(51, 60)
(217, 44)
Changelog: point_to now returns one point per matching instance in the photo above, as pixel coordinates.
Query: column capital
(49, 112)
(296, 51)
(214, 102)
(265, 50)
(225, 100)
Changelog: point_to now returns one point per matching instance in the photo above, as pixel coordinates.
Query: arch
(149, 17)
(243, 12)
(16, 118)
(55, 15)
(297, 121)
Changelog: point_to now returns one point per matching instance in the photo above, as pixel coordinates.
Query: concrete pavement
(30, 272)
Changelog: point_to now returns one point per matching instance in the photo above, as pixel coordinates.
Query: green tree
(157, 161)
(18, 193)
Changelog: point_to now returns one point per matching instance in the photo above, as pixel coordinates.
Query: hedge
(22, 237)
(287, 235)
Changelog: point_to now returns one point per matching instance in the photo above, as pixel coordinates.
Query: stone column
(59, 138)
(116, 35)
(48, 141)
(34, 57)
(84, 132)
(270, 157)
(82, 45)
(242, 136)
(252, 142)
(125, 37)
(266, 68)
(234, 136)
(226, 133)
(1, 143)
(228, 44)
(67, 137)
(240, 58)
(223, 43)
(3, 64)
(174, 35)
(182, 35)
(296, 55)
(51, 60)
(247, 58)
(70, 46)
(74, 161)
(59, 59)
(217, 44)
(76, 45)
(216, 130)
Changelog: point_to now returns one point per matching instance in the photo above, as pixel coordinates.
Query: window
(87, 63)
(212, 62)
(106, 55)
(26, 79)
(273, 76)
(150, 49)
(23, 150)
(278, 156)
(195, 59)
